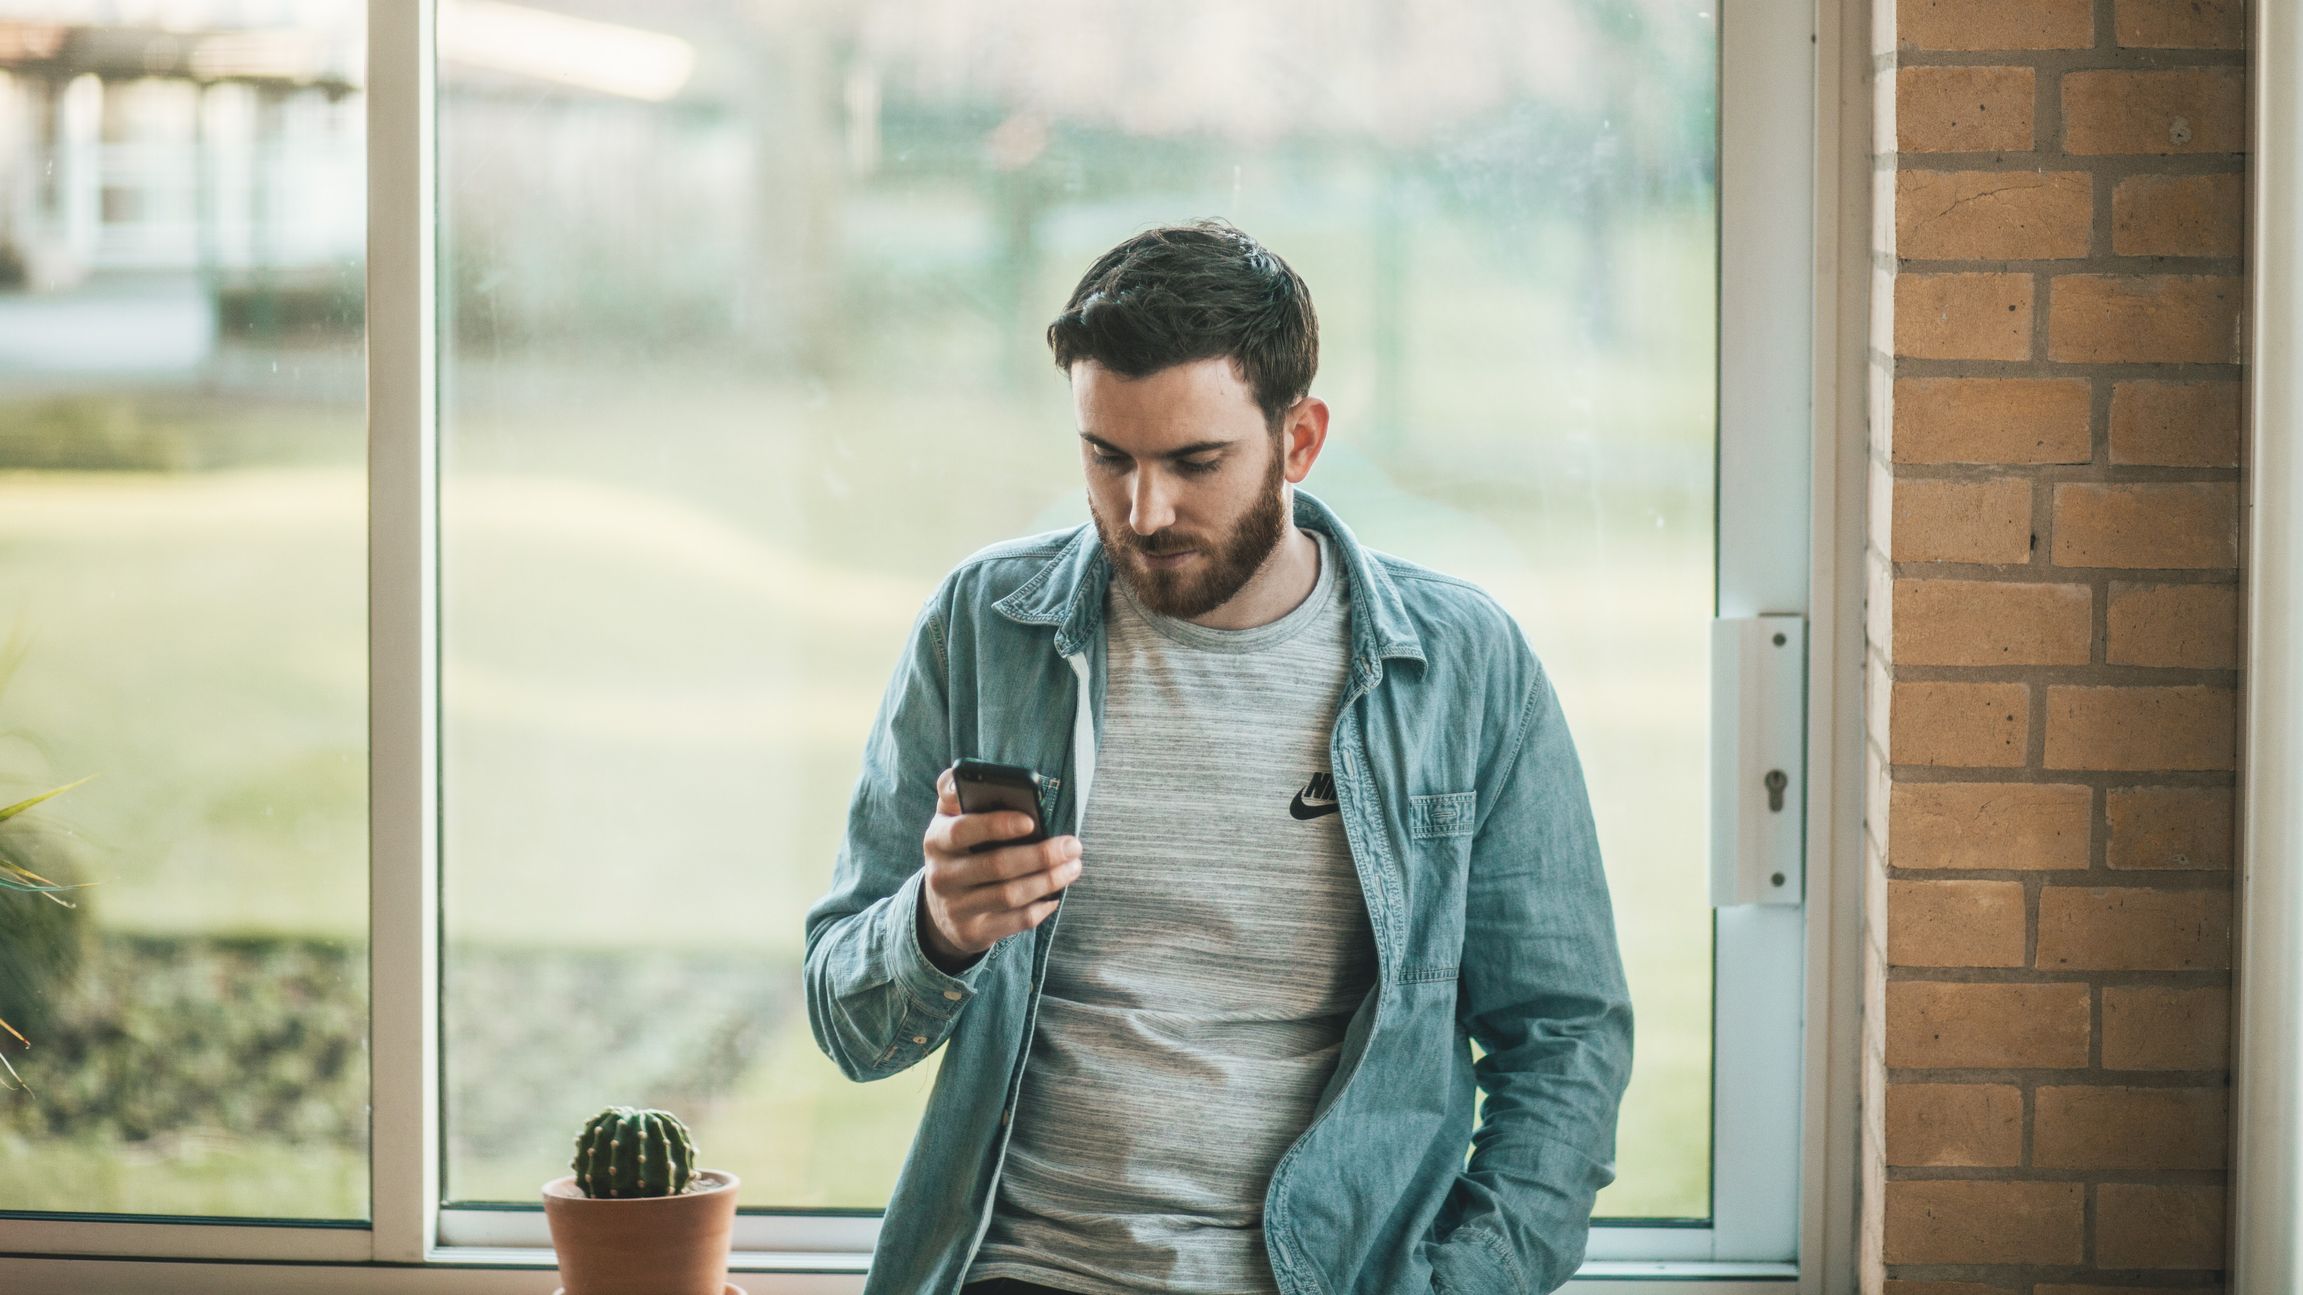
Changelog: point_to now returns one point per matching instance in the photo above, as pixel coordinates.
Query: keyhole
(1777, 780)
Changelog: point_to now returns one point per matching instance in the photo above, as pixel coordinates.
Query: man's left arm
(1544, 996)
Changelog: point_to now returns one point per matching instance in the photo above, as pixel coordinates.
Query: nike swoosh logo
(1299, 809)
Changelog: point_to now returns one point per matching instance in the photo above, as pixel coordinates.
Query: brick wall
(2051, 643)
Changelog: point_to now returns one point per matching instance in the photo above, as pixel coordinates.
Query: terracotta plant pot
(649, 1245)
(732, 1289)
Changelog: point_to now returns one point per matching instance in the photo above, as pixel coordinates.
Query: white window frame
(1794, 170)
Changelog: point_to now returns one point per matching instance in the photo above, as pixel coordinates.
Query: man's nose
(1150, 510)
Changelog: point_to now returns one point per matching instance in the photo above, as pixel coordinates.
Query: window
(735, 334)
(182, 515)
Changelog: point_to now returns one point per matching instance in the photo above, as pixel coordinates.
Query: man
(1317, 820)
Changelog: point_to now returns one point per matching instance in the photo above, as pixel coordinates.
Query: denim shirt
(1464, 805)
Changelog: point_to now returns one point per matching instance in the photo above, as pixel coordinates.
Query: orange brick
(2139, 1226)
(1954, 1124)
(2181, 24)
(2140, 318)
(2158, 1027)
(2098, 1127)
(1964, 725)
(1955, 923)
(2163, 524)
(1985, 521)
(2191, 626)
(1963, 316)
(1983, 1222)
(1933, 1025)
(1994, 24)
(2177, 424)
(2178, 215)
(2141, 728)
(2128, 928)
(1991, 420)
(2183, 110)
(1992, 215)
(1992, 622)
(1964, 109)
(2016, 825)
(2173, 828)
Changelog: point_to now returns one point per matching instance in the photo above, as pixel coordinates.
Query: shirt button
(919, 1038)
(952, 994)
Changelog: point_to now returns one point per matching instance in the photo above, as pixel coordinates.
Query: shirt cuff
(939, 992)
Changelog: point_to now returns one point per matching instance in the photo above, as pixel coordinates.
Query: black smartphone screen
(987, 787)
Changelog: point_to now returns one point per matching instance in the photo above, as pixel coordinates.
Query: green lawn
(192, 1174)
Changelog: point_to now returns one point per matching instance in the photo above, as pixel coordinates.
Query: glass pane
(183, 574)
(746, 351)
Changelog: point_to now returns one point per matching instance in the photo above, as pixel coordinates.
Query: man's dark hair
(1181, 293)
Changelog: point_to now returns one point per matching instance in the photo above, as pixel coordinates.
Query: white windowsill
(478, 1271)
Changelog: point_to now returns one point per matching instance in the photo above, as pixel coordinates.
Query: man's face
(1180, 463)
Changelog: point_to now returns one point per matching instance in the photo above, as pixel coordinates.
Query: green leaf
(49, 889)
(34, 883)
(19, 807)
(4, 1058)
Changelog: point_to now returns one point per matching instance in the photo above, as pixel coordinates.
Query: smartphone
(987, 787)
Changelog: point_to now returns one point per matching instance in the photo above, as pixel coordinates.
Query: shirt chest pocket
(1439, 815)
(1439, 830)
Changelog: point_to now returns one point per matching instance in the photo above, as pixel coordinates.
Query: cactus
(626, 1152)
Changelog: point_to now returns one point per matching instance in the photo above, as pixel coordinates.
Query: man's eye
(1186, 466)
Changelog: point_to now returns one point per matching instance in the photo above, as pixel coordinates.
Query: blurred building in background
(210, 150)
(162, 185)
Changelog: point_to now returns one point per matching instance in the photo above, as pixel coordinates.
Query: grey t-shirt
(1204, 966)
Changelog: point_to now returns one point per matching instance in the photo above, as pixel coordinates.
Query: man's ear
(1302, 436)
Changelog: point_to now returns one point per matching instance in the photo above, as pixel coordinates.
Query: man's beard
(1218, 571)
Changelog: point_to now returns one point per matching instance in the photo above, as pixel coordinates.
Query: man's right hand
(972, 901)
